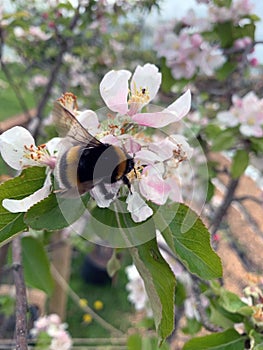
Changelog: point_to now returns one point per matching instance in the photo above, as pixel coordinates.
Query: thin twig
(21, 301)
(250, 198)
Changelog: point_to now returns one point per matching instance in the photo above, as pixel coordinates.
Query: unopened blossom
(18, 149)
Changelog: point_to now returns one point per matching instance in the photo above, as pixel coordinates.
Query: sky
(177, 8)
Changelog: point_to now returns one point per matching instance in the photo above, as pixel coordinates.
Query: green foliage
(189, 239)
(227, 340)
(239, 163)
(159, 283)
(36, 265)
(54, 213)
(29, 181)
(7, 305)
(139, 342)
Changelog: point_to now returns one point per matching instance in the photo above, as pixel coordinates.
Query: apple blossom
(145, 82)
(247, 113)
(155, 158)
(55, 329)
(18, 149)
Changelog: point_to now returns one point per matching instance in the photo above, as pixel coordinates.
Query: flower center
(139, 96)
(69, 100)
(40, 155)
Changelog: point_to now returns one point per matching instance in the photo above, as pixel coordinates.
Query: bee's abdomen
(68, 167)
(105, 163)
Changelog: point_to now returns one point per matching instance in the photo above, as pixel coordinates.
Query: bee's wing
(68, 126)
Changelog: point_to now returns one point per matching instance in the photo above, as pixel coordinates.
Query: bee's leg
(127, 183)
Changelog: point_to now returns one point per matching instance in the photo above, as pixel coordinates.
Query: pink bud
(196, 39)
(254, 62)
(51, 24)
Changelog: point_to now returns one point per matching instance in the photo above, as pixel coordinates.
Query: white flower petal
(22, 205)
(52, 145)
(181, 106)
(139, 210)
(114, 90)
(89, 120)
(12, 144)
(147, 77)
(147, 157)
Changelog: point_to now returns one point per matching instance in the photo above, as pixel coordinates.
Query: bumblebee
(84, 161)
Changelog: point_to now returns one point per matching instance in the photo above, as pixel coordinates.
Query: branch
(64, 47)
(222, 210)
(201, 309)
(21, 301)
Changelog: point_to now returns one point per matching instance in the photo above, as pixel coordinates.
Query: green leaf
(212, 131)
(189, 239)
(257, 338)
(230, 301)
(239, 163)
(167, 78)
(36, 265)
(224, 31)
(223, 72)
(192, 326)
(159, 283)
(225, 140)
(113, 264)
(115, 226)
(227, 340)
(219, 317)
(29, 181)
(53, 214)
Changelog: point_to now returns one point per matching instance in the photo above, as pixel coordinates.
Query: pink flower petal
(153, 187)
(173, 113)
(114, 90)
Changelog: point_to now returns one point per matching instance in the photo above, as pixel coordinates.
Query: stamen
(139, 96)
(69, 100)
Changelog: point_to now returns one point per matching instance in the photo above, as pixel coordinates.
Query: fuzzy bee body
(87, 162)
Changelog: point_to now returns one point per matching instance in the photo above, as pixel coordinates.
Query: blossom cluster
(186, 50)
(246, 113)
(156, 155)
(188, 53)
(34, 33)
(52, 326)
